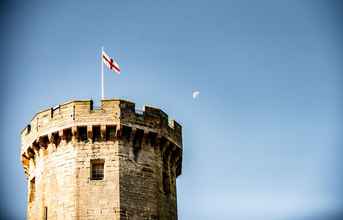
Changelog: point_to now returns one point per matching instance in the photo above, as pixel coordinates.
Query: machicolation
(110, 162)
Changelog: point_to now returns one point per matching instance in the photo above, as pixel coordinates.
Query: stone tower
(110, 162)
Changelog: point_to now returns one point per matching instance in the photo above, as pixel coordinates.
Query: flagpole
(102, 75)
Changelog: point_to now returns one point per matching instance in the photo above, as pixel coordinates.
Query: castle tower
(111, 162)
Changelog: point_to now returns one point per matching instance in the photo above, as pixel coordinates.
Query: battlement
(62, 122)
(111, 111)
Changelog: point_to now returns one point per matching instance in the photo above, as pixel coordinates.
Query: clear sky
(262, 141)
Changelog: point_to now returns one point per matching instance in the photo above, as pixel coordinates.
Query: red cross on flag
(110, 63)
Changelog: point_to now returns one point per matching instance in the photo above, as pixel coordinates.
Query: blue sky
(263, 139)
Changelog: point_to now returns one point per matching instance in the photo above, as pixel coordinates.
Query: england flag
(110, 63)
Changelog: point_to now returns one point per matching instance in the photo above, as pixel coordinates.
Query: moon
(195, 94)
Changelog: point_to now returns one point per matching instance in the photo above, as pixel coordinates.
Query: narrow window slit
(32, 189)
(45, 213)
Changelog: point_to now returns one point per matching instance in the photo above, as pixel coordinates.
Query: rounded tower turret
(111, 162)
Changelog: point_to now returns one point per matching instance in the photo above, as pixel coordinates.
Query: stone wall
(141, 151)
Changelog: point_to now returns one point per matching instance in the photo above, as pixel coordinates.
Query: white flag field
(110, 62)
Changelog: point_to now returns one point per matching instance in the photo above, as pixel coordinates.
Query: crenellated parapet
(115, 120)
(102, 162)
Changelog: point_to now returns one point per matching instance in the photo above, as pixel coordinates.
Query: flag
(110, 63)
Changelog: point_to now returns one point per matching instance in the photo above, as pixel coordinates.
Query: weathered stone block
(111, 162)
